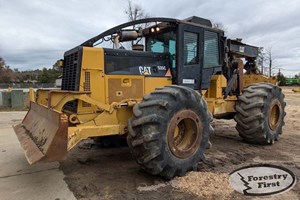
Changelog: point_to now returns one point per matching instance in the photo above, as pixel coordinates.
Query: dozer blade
(43, 134)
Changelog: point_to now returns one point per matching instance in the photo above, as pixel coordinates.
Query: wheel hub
(184, 133)
(274, 114)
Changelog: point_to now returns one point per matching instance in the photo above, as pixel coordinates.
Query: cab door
(189, 56)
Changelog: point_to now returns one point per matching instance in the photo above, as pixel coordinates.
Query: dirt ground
(112, 173)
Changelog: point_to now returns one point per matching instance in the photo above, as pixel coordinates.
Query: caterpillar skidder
(161, 83)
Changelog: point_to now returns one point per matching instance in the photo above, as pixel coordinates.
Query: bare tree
(261, 58)
(134, 11)
(270, 59)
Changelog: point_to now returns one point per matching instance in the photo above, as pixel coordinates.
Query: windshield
(163, 43)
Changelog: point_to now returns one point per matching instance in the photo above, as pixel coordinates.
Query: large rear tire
(169, 131)
(260, 113)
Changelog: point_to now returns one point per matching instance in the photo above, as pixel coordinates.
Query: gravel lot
(111, 173)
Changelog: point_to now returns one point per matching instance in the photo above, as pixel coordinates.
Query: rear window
(211, 49)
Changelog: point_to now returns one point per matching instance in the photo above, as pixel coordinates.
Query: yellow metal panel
(223, 81)
(101, 125)
(217, 83)
(257, 78)
(118, 116)
(154, 82)
(210, 104)
(93, 58)
(221, 107)
(218, 106)
(31, 94)
(225, 106)
(42, 97)
(76, 134)
(125, 88)
(203, 92)
(92, 76)
(121, 87)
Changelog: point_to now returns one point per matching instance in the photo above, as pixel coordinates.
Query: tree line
(44, 75)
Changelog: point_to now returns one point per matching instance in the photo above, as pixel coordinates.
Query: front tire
(260, 113)
(169, 131)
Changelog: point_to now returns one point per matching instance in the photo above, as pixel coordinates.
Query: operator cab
(194, 48)
(186, 50)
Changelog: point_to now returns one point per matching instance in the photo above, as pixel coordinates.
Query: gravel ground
(111, 173)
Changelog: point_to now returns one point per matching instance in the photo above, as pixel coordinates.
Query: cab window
(163, 43)
(211, 49)
(190, 48)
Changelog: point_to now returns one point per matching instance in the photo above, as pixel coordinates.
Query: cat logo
(145, 70)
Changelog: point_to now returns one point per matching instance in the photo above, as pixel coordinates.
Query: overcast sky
(36, 33)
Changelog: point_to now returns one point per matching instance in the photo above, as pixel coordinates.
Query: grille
(87, 86)
(70, 79)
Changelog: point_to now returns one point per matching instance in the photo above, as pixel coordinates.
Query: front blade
(43, 134)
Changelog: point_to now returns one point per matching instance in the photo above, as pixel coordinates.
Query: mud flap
(43, 134)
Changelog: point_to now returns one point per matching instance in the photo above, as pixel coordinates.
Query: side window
(190, 48)
(211, 49)
(172, 51)
(160, 47)
(157, 47)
